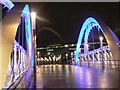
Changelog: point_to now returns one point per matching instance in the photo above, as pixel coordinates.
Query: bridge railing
(18, 64)
(105, 64)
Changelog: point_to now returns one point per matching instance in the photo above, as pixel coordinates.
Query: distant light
(80, 49)
(74, 52)
(38, 52)
(33, 15)
(101, 38)
(72, 45)
(87, 45)
(50, 50)
(72, 49)
(33, 18)
(66, 45)
(71, 53)
(66, 54)
(56, 46)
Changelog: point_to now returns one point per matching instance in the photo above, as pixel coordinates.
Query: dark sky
(60, 22)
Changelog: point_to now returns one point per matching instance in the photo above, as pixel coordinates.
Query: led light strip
(7, 3)
(86, 27)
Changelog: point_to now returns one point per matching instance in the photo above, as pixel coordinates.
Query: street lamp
(38, 58)
(101, 38)
(80, 60)
(87, 46)
(101, 46)
(38, 53)
(33, 19)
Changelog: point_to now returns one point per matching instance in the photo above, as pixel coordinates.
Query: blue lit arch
(7, 3)
(26, 16)
(22, 56)
(111, 38)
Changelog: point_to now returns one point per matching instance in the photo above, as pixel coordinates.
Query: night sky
(60, 22)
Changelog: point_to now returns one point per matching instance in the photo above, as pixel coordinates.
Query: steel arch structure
(111, 38)
(22, 59)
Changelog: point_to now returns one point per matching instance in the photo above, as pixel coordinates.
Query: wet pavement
(70, 76)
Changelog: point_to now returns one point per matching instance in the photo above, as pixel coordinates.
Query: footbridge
(109, 54)
(16, 45)
(18, 55)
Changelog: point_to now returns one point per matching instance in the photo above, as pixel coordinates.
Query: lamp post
(80, 60)
(38, 58)
(87, 46)
(33, 18)
(101, 46)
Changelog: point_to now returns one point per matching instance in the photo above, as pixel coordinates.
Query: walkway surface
(69, 76)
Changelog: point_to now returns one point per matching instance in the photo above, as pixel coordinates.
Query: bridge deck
(69, 76)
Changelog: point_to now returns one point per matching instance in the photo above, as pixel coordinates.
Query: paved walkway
(69, 76)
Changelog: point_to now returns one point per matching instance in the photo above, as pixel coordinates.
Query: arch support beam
(111, 38)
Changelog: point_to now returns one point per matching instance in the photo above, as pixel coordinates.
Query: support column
(12, 66)
(97, 56)
(88, 59)
(19, 61)
(23, 62)
(21, 55)
(93, 58)
(15, 57)
(105, 56)
(15, 60)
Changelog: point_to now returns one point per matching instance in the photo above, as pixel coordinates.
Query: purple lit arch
(10, 24)
(26, 16)
(111, 38)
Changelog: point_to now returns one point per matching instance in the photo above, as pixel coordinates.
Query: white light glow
(7, 3)
(101, 38)
(33, 15)
(33, 18)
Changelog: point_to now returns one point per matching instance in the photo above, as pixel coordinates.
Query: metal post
(87, 45)
(33, 17)
(101, 45)
(38, 58)
(80, 60)
(15, 61)
(35, 58)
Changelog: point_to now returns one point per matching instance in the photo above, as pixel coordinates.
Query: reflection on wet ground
(69, 76)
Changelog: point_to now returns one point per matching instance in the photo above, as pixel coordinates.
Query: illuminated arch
(10, 25)
(26, 16)
(111, 38)
(4, 41)
(7, 3)
(51, 30)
